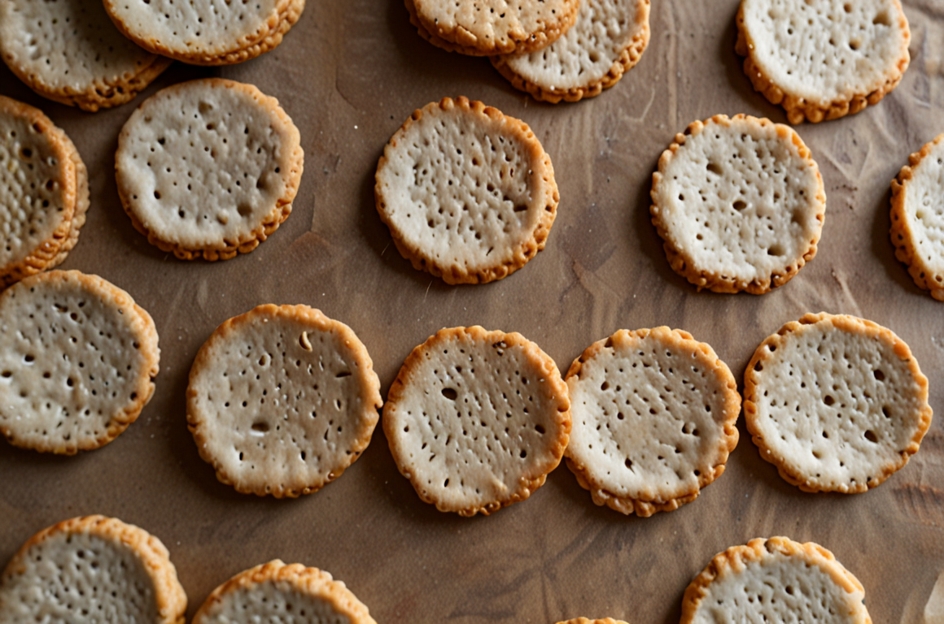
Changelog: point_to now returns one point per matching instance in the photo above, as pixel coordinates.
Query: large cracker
(468, 194)
(208, 168)
(739, 204)
(823, 59)
(282, 400)
(92, 570)
(276, 592)
(606, 41)
(69, 51)
(205, 32)
(654, 415)
(836, 403)
(917, 216)
(77, 362)
(476, 419)
(775, 580)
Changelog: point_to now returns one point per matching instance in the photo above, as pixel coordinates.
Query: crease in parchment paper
(850, 305)
(670, 61)
(934, 609)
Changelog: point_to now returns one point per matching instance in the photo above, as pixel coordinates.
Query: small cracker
(95, 570)
(775, 580)
(654, 415)
(607, 40)
(583, 620)
(477, 419)
(77, 362)
(746, 222)
(282, 400)
(468, 193)
(918, 217)
(823, 59)
(208, 168)
(836, 403)
(278, 592)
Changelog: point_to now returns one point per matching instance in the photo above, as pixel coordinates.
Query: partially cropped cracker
(77, 362)
(468, 193)
(775, 580)
(654, 415)
(823, 59)
(836, 403)
(205, 32)
(487, 27)
(477, 419)
(739, 204)
(69, 51)
(282, 400)
(276, 592)
(918, 217)
(583, 620)
(92, 570)
(208, 168)
(606, 41)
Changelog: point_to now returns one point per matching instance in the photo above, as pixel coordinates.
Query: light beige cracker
(208, 168)
(282, 400)
(92, 570)
(775, 580)
(606, 41)
(654, 415)
(477, 419)
(917, 216)
(69, 51)
(583, 620)
(78, 359)
(836, 403)
(276, 592)
(739, 204)
(468, 193)
(823, 59)
(205, 32)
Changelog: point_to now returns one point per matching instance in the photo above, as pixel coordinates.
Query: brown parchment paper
(349, 73)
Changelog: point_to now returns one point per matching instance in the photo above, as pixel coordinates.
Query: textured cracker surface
(92, 570)
(467, 192)
(282, 400)
(739, 204)
(837, 403)
(775, 580)
(208, 168)
(77, 362)
(654, 415)
(917, 216)
(477, 419)
(287, 594)
(823, 59)
(606, 41)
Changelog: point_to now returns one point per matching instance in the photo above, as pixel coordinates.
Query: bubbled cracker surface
(924, 213)
(67, 45)
(273, 601)
(740, 201)
(649, 417)
(826, 50)
(206, 162)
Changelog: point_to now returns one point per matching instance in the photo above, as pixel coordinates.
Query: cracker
(208, 168)
(654, 415)
(775, 580)
(93, 570)
(739, 204)
(486, 27)
(282, 400)
(77, 362)
(205, 32)
(276, 592)
(918, 217)
(606, 41)
(583, 620)
(477, 419)
(70, 52)
(836, 403)
(468, 193)
(823, 59)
